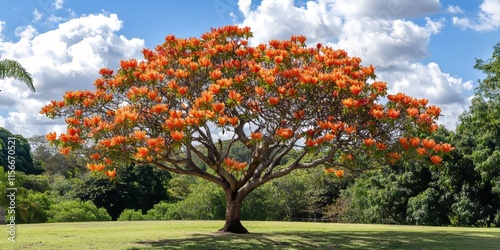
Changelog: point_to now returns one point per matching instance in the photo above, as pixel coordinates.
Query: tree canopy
(276, 99)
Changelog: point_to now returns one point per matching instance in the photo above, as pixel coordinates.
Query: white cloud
(454, 9)
(383, 9)
(377, 31)
(58, 4)
(244, 6)
(2, 25)
(63, 59)
(488, 17)
(37, 16)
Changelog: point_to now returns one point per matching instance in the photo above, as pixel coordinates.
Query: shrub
(77, 210)
(131, 214)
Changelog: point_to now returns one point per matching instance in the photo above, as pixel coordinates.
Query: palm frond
(11, 68)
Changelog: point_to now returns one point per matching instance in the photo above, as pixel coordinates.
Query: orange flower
(216, 74)
(139, 135)
(299, 114)
(269, 80)
(428, 143)
(259, 90)
(414, 142)
(72, 121)
(99, 167)
(446, 147)
(399, 97)
(233, 121)
(284, 132)
(329, 136)
(433, 127)
(108, 161)
(51, 136)
(223, 120)
(218, 107)
(95, 156)
(156, 142)
(355, 89)
(368, 142)
(78, 112)
(273, 101)
(282, 90)
(433, 110)
(328, 170)
(111, 173)
(339, 173)
(256, 135)
(214, 88)
(159, 108)
(228, 161)
(381, 146)
(436, 159)
(377, 113)
(175, 113)
(404, 142)
(64, 151)
(349, 102)
(183, 90)
(350, 130)
(310, 143)
(379, 86)
(118, 140)
(90, 166)
(177, 135)
(235, 96)
(421, 151)
(423, 101)
(204, 61)
(395, 156)
(392, 113)
(412, 112)
(142, 153)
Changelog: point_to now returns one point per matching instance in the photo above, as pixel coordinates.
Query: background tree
(478, 138)
(136, 188)
(274, 99)
(52, 162)
(11, 68)
(24, 162)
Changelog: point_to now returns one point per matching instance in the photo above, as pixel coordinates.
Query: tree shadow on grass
(334, 240)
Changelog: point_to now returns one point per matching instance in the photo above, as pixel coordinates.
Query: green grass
(264, 235)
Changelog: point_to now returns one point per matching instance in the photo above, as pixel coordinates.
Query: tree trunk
(233, 223)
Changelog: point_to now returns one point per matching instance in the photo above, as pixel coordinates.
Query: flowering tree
(274, 99)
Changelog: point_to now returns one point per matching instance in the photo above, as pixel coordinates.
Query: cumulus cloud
(58, 4)
(63, 59)
(454, 9)
(378, 31)
(37, 16)
(488, 17)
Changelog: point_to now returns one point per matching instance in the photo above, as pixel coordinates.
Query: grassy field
(264, 235)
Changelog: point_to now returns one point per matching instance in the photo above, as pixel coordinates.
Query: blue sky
(425, 48)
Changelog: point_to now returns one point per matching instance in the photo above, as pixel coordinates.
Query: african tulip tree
(274, 99)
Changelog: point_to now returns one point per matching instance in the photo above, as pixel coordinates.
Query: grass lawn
(264, 235)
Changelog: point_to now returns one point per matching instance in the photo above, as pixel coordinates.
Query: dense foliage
(21, 152)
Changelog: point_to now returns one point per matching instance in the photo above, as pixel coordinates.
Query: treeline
(460, 193)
